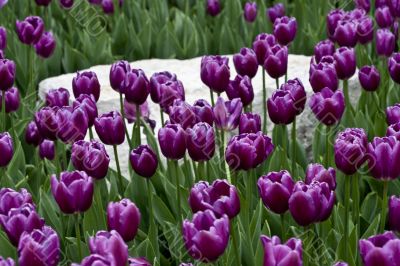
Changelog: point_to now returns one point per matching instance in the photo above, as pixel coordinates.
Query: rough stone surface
(188, 71)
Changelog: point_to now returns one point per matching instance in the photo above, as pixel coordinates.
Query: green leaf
(7, 250)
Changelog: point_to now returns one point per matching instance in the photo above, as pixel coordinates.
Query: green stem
(98, 198)
(277, 84)
(178, 194)
(227, 170)
(347, 96)
(120, 184)
(384, 205)
(294, 146)
(3, 110)
(283, 227)
(31, 88)
(327, 146)
(78, 235)
(162, 117)
(235, 244)
(222, 149)
(138, 124)
(121, 104)
(64, 156)
(212, 98)
(149, 196)
(356, 208)
(91, 133)
(264, 103)
(346, 210)
(286, 77)
(201, 171)
(189, 171)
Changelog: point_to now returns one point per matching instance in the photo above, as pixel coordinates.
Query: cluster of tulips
(106, 5)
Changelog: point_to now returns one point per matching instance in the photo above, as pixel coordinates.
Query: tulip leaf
(373, 228)
(161, 212)
(50, 212)
(7, 250)
(370, 207)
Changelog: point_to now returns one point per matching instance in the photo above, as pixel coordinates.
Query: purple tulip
(88, 104)
(276, 253)
(311, 203)
(346, 33)
(380, 249)
(73, 192)
(12, 100)
(39, 247)
(182, 113)
(30, 30)
(72, 124)
(201, 142)
(118, 72)
(317, 172)
(393, 130)
(43, 2)
(249, 123)
(369, 78)
(285, 29)
(245, 62)
(110, 128)
(46, 45)
(275, 189)
(276, 62)
(86, 83)
(328, 106)
(135, 86)
(276, 11)
(66, 3)
(250, 11)
(131, 108)
(46, 122)
(393, 114)
(10, 199)
(220, 197)
(32, 134)
(172, 139)
(394, 67)
(7, 74)
(57, 97)
(385, 42)
(206, 236)
(281, 107)
(394, 7)
(341, 263)
(203, 111)
(138, 262)
(123, 217)
(363, 4)
(215, 72)
(345, 62)
(96, 259)
(6, 149)
(384, 158)
(365, 30)
(6, 262)
(323, 48)
(296, 90)
(109, 244)
(242, 88)
(262, 45)
(3, 38)
(213, 7)
(227, 113)
(394, 213)
(247, 151)
(144, 161)
(20, 220)
(90, 157)
(159, 79)
(47, 150)
(395, 29)
(332, 21)
(381, 3)
(384, 17)
(108, 6)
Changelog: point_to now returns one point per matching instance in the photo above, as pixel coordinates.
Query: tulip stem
(327, 146)
(118, 170)
(264, 103)
(283, 227)
(200, 171)
(384, 205)
(347, 96)
(162, 117)
(212, 98)
(149, 195)
(138, 124)
(356, 198)
(178, 194)
(121, 103)
(346, 213)
(235, 243)
(3, 109)
(294, 146)
(91, 133)
(277, 83)
(78, 235)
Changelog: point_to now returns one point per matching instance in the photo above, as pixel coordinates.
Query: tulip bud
(86, 83)
(70, 185)
(46, 45)
(384, 158)
(394, 67)
(135, 86)
(250, 11)
(43, 2)
(40, 247)
(109, 244)
(285, 29)
(317, 172)
(281, 107)
(206, 236)
(88, 104)
(159, 79)
(46, 122)
(393, 114)
(130, 111)
(275, 189)
(249, 123)
(20, 220)
(345, 62)
(215, 72)
(203, 111)
(96, 259)
(47, 150)
(3, 38)
(323, 75)
(276, 62)
(296, 90)
(66, 3)
(201, 142)
(30, 30)
(385, 42)
(369, 78)
(276, 11)
(57, 97)
(123, 217)
(110, 128)
(138, 262)
(6, 262)
(72, 124)
(144, 161)
(384, 17)
(213, 7)
(380, 249)
(7, 74)
(363, 4)
(394, 6)
(365, 30)
(262, 45)
(276, 253)
(246, 62)
(394, 213)
(10, 199)
(227, 113)
(182, 113)
(6, 149)
(172, 140)
(328, 106)
(32, 134)
(247, 151)
(332, 21)
(393, 130)
(323, 48)
(381, 3)
(118, 73)
(340, 263)
(12, 100)
(346, 33)
(242, 88)
(221, 197)
(108, 6)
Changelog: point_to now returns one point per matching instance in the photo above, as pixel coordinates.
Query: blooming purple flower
(365, 30)
(12, 100)
(262, 45)
(182, 113)
(159, 79)
(47, 150)
(393, 130)
(10, 199)
(296, 89)
(276, 253)
(215, 72)
(227, 113)
(144, 161)
(88, 104)
(249, 123)
(276, 11)
(6, 149)
(213, 7)
(323, 48)
(328, 106)
(46, 122)
(394, 67)
(345, 62)
(72, 124)
(123, 217)
(384, 17)
(323, 75)
(8, 261)
(203, 111)
(346, 33)
(109, 244)
(276, 62)
(245, 62)
(7, 74)
(30, 29)
(66, 3)
(57, 97)
(332, 21)
(86, 83)
(131, 108)
(201, 142)
(394, 213)
(138, 262)
(32, 134)
(369, 78)
(285, 29)
(384, 158)
(3, 37)
(46, 45)
(118, 72)
(172, 140)
(110, 128)
(317, 172)
(281, 107)
(393, 114)
(380, 249)
(250, 11)
(242, 88)
(135, 86)
(385, 42)
(363, 4)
